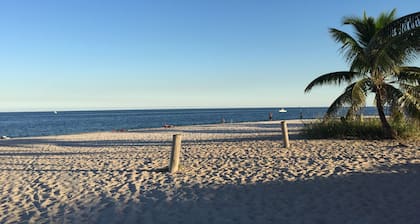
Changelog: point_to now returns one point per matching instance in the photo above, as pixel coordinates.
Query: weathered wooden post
(176, 151)
(285, 134)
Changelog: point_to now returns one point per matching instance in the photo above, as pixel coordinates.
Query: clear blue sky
(98, 54)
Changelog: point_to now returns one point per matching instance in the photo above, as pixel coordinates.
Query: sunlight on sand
(230, 173)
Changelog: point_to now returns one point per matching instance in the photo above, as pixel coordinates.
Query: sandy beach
(230, 173)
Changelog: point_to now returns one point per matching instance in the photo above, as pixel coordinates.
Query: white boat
(282, 110)
(55, 112)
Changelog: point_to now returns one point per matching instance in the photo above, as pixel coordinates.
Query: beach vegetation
(377, 53)
(370, 128)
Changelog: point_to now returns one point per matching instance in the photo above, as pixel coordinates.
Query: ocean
(24, 124)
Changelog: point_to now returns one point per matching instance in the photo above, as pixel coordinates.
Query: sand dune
(231, 173)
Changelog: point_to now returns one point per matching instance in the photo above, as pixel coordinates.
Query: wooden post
(285, 134)
(176, 151)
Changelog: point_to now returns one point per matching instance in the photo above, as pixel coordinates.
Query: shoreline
(76, 122)
(291, 121)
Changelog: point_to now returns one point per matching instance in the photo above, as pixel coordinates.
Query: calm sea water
(22, 124)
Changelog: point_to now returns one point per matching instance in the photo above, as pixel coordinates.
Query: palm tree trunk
(388, 131)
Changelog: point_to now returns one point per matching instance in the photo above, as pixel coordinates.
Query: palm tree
(377, 53)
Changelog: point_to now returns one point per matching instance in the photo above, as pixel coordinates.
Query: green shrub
(370, 128)
(409, 129)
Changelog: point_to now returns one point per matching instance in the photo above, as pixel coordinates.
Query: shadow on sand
(389, 197)
(356, 198)
(95, 171)
(270, 136)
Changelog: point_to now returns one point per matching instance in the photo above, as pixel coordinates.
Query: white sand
(231, 173)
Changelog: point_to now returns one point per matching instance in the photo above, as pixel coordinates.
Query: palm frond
(392, 96)
(385, 18)
(410, 102)
(390, 52)
(365, 28)
(406, 99)
(358, 96)
(410, 69)
(413, 90)
(409, 75)
(332, 78)
(350, 47)
(360, 90)
(340, 101)
(403, 24)
(361, 64)
(396, 42)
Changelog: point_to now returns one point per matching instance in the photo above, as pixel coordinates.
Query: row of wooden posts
(176, 147)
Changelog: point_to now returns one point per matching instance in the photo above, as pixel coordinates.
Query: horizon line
(157, 108)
